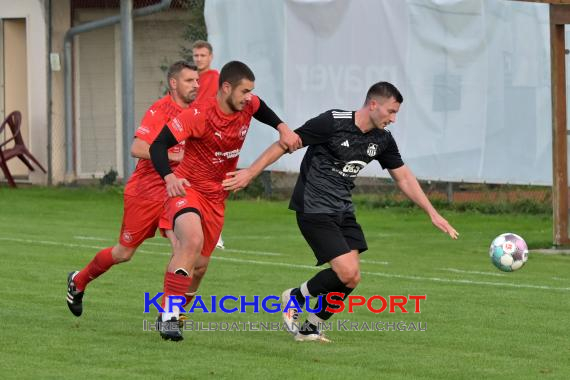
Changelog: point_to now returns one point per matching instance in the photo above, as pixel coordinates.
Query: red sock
(175, 285)
(100, 264)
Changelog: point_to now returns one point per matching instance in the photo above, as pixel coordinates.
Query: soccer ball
(508, 252)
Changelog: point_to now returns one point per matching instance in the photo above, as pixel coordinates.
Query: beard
(189, 97)
(232, 106)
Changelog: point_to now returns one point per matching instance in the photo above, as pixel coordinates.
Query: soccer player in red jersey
(214, 132)
(202, 55)
(144, 193)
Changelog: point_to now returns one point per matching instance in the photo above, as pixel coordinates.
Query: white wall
(475, 76)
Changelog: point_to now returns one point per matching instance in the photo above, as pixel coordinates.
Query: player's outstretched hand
(440, 222)
(175, 185)
(289, 140)
(238, 180)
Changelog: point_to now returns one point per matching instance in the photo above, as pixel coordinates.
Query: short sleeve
(316, 130)
(390, 157)
(152, 123)
(253, 105)
(189, 123)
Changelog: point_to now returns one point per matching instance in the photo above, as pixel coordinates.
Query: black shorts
(331, 235)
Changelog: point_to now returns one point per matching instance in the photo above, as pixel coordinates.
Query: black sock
(325, 315)
(324, 282)
(298, 296)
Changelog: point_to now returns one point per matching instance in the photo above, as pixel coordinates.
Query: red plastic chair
(19, 149)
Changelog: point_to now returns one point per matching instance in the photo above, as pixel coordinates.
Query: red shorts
(140, 220)
(211, 215)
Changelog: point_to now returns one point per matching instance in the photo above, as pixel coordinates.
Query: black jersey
(337, 151)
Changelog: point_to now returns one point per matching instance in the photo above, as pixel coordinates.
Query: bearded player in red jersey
(144, 193)
(214, 132)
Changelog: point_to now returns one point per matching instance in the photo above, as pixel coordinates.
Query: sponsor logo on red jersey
(243, 131)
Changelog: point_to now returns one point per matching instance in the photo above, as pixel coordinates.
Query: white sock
(167, 316)
(305, 290)
(220, 243)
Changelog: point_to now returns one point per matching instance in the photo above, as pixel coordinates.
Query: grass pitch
(480, 323)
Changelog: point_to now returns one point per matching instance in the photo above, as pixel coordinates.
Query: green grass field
(481, 324)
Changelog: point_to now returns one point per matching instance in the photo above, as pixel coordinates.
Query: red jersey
(213, 143)
(208, 82)
(145, 182)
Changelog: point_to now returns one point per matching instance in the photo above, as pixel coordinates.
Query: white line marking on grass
(245, 261)
(94, 238)
(60, 244)
(391, 275)
(91, 238)
(261, 253)
(379, 274)
(247, 252)
(374, 262)
(454, 270)
(469, 282)
(407, 277)
(252, 237)
(167, 245)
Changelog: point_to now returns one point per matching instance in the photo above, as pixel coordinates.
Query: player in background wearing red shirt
(202, 55)
(144, 193)
(214, 132)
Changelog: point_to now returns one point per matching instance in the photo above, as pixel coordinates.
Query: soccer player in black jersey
(340, 144)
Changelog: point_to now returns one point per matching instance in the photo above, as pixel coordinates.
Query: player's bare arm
(238, 180)
(288, 139)
(140, 149)
(159, 156)
(409, 185)
(176, 156)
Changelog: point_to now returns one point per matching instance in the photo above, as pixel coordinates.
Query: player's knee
(122, 254)
(355, 280)
(191, 245)
(350, 276)
(200, 271)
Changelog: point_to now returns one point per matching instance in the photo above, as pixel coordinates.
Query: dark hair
(177, 67)
(199, 44)
(384, 90)
(233, 72)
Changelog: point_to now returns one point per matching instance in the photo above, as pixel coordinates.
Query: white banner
(475, 76)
